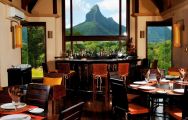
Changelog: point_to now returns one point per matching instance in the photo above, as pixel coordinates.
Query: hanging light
(18, 36)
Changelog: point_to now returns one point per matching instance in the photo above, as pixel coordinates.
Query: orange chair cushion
(175, 113)
(137, 109)
(52, 81)
(173, 73)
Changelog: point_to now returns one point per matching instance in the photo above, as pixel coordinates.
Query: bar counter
(83, 69)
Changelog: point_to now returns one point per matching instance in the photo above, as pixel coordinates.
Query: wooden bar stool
(123, 71)
(100, 73)
(65, 69)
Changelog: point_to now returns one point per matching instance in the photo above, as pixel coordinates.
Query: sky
(109, 8)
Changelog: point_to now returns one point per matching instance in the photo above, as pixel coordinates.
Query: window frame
(72, 38)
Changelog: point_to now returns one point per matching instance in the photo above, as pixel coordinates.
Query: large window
(104, 22)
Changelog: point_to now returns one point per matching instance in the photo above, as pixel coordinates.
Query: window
(99, 21)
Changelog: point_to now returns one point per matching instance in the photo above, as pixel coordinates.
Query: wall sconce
(50, 34)
(142, 34)
(16, 35)
(178, 27)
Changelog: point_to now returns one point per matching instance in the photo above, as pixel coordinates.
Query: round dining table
(165, 89)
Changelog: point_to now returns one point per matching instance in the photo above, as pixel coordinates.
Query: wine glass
(15, 94)
(182, 74)
(147, 75)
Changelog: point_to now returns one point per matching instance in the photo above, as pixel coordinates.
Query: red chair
(100, 73)
(123, 71)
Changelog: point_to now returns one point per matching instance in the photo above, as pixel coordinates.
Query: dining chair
(72, 113)
(130, 96)
(100, 75)
(38, 95)
(57, 89)
(179, 112)
(46, 69)
(121, 107)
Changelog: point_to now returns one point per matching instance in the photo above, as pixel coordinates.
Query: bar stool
(100, 73)
(65, 69)
(123, 71)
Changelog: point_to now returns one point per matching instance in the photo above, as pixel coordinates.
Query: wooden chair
(46, 69)
(57, 89)
(100, 73)
(67, 72)
(121, 107)
(130, 96)
(180, 113)
(72, 113)
(38, 95)
(123, 71)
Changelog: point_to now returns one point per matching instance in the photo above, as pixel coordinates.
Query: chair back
(119, 97)
(145, 63)
(45, 68)
(154, 64)
(63, 68)
(115, 80)
(38, 95)
(100, 69)
(185, 104)
(72, 113)
(123, 68)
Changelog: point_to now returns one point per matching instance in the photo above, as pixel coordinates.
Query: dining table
(165, 89)
(8, 110)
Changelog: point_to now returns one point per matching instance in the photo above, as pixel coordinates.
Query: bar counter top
(85, 60)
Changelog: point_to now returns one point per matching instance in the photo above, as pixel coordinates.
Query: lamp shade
(177, 34)
(18, 36)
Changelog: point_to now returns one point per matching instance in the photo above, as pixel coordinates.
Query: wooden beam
(54, 6)
(159, 4)
(24, 4)
(31, 5)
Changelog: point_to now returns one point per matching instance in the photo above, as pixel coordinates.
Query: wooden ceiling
(28, 4)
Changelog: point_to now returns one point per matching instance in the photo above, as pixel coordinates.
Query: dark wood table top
(162, 88)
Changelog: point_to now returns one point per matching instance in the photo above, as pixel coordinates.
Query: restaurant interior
(93, 60)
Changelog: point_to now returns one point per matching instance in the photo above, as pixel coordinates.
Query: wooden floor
(93, 110)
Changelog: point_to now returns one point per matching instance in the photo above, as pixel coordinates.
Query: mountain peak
(95, 8)
(94, 14)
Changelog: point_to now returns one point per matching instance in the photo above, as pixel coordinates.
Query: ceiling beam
(159, 4)
(54, 6)
(24, 4)
(31, 5)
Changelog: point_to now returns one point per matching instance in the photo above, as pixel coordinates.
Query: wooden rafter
(31, 5)
(159, 4)
(54, 6)
(24, 4)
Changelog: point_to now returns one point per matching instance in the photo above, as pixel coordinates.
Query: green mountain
(97, 24)
(159, 34)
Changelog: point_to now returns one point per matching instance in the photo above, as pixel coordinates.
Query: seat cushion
(52, 81)
(130, 97)
(137, 109)
(175, 112)
(173, 73)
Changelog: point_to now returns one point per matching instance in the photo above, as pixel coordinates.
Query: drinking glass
(15, 94)
(182, 76)
(158, 77)
(171, 85)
